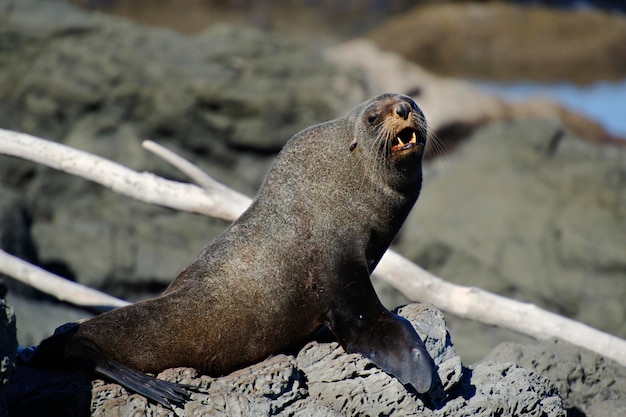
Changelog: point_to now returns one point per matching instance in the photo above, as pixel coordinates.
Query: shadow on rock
(49, 392)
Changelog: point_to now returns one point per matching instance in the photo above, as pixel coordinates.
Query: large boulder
(502, 40)
(229, 98)
(588, 383)
(528, 211)
(321, 379)
(8, 349)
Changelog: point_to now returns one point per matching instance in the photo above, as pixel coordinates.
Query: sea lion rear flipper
(64, 348)
(163, 392)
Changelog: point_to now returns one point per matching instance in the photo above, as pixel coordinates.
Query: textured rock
(228, 99)
(321, 380)
(528, 211)
(8, 347)
(587, 382)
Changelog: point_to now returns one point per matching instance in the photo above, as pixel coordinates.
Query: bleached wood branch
(417, 284)
(191, 170)
(413, 281)
(61, 288)
(221, 202)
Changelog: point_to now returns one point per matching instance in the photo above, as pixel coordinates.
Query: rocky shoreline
(519, 206)
(321, 379)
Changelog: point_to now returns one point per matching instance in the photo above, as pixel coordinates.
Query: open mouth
(404, 140)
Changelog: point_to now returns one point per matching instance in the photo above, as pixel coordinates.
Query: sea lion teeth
(413, 138)
(400, 143)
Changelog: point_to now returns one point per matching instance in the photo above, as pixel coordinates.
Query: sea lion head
(390, 128)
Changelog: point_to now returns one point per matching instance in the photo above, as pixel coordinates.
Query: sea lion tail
(62, 350)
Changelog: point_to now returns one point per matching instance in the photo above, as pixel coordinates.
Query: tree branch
(473, 303)
(196, 174)
(413, 281)
(61, 288)
(218, 202)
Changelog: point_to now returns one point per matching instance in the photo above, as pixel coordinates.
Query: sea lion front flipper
(362, 325)
(163, 392)
(391, 342)
(394, 346)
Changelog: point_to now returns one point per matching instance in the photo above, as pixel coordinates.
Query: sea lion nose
(403, 109)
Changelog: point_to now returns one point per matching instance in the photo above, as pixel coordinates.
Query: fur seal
(298, 259)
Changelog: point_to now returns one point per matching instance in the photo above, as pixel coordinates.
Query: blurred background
(555, 48)
(527, 198)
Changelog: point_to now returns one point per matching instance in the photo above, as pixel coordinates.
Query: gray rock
(527, 211)
(37, 318)
(227, 99)
(607, 409)
(506, 389)
(320, 380)
(15, 235)
(8, 348)
(586, 381)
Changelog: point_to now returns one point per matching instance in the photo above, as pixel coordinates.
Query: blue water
(603, 101)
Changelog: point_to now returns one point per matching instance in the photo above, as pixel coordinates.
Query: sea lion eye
(372, 118)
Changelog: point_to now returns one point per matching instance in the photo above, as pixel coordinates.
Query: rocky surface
(549, 378)
(501, 40)
(522, 208)
(227, 98)
(321, 379)
(589, 384)
(530, 212)
(454, 107)
(8, 348)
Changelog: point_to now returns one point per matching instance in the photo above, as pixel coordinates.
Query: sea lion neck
(367, 190)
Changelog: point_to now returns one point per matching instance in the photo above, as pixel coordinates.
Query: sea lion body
(299, 258)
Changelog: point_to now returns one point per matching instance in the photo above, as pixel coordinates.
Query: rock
(530, 212)
(588, 383)
(505, 389)
(454, 108)
(228, 99)
(8, 348)
(38, 318)
(323, 380)
(387, 394)
(45, 392)
(500, 40)
(15, 235)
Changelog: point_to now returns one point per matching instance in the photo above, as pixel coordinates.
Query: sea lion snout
(402, 109)
(400, 123)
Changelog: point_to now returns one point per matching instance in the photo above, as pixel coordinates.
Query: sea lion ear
(353, 145)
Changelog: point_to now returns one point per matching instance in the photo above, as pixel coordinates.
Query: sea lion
(299, 258)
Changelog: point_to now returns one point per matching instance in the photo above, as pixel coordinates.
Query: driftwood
(220, 201)
(54, 285)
